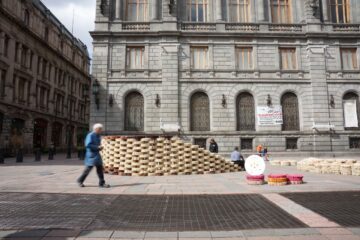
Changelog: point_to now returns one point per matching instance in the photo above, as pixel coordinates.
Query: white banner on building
(269, 115)
(350, 114)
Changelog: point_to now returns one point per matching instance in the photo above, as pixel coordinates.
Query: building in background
(281, 73)
(44, 79)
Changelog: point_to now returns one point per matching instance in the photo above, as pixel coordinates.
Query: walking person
(237, 158)
(265, 154)
(259, 149)
(213, 148)
(92, 156)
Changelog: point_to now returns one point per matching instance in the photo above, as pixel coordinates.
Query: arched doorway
(290, 108)
(134, 112)
(200, 112)
(245, 112)
(57, 134)
(351, 108)
(40, 133)
(17, 134)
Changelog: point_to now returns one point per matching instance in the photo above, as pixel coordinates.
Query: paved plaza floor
(41, 200)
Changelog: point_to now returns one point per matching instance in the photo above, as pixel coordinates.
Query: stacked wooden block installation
(330, 166)
(160, 157)
(283, 163)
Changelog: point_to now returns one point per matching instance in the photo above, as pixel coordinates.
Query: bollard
(51, 154)
(37, 155)
(2, 160)
(81, 154)
(19, 156)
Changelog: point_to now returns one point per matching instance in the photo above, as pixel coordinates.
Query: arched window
(200, 112)
(26, 17)
(245, 112)
(351, 111)
(1, 121)
(134, 112)
(40, 133)
(290, 108)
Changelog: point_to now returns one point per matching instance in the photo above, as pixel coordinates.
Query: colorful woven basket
(295, 179)
(255, 180)
(277, 180)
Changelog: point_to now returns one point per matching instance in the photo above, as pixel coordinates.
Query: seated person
(237, 158)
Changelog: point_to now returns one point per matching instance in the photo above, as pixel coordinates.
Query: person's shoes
(104, 186)
(81, 184)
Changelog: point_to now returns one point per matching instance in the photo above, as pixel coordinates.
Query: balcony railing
(346, 27)
(285, 27)
(198, 26)
(244, 27)
(136, 26)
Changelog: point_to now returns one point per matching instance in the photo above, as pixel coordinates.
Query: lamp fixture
(269, 101)
(332, 101)
(223, 101)
(111, 100)
(157, 100)
(96, 91)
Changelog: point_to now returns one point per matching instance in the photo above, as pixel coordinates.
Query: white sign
(255, 165)
(350, 114)
(269, 115)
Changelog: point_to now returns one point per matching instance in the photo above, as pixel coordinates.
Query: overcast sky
(83, 18)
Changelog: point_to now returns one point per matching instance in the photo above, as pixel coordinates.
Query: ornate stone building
(44, 79)
(282, 73)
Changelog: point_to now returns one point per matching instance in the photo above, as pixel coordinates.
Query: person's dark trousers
(99, 171)
(241, 163)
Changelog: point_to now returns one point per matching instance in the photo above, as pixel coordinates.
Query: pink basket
(258, 177)
(294, 177)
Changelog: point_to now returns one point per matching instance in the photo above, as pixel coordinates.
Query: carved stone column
(218, 11)
(18, 55)
(2, 42)
(117, 9)
(325, 10)
(261, 10)
(154, 9)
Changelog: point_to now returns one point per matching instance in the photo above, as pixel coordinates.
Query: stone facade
(316, 77)
(44, 79)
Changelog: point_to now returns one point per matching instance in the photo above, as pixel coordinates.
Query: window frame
(194, 5)
(250, 57)
(137, 3)
(346, 12)
(129, 57)
(354, 61)
(290, 60)
(206, 64)
(276, 6)
(243, 6)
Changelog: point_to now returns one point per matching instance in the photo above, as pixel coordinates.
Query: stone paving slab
(59, 176)
(262, 234)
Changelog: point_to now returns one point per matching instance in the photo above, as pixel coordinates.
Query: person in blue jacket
(92, 156)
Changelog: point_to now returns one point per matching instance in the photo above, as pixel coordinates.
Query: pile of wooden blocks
(160, 157)
(330, 166)
(283, 163)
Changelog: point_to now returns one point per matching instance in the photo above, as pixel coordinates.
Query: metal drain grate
(141, 212)
(340, 207)
(193, 213)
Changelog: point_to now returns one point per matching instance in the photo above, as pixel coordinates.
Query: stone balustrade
(136, 26)
(198, 26)
(346, 27)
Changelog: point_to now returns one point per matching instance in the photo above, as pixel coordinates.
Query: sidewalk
(59, 176)
(261, 234)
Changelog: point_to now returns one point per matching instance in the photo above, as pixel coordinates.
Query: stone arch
(199, 112)
(348, 98)
(245, 112)
(290, 105)
(134, 111)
